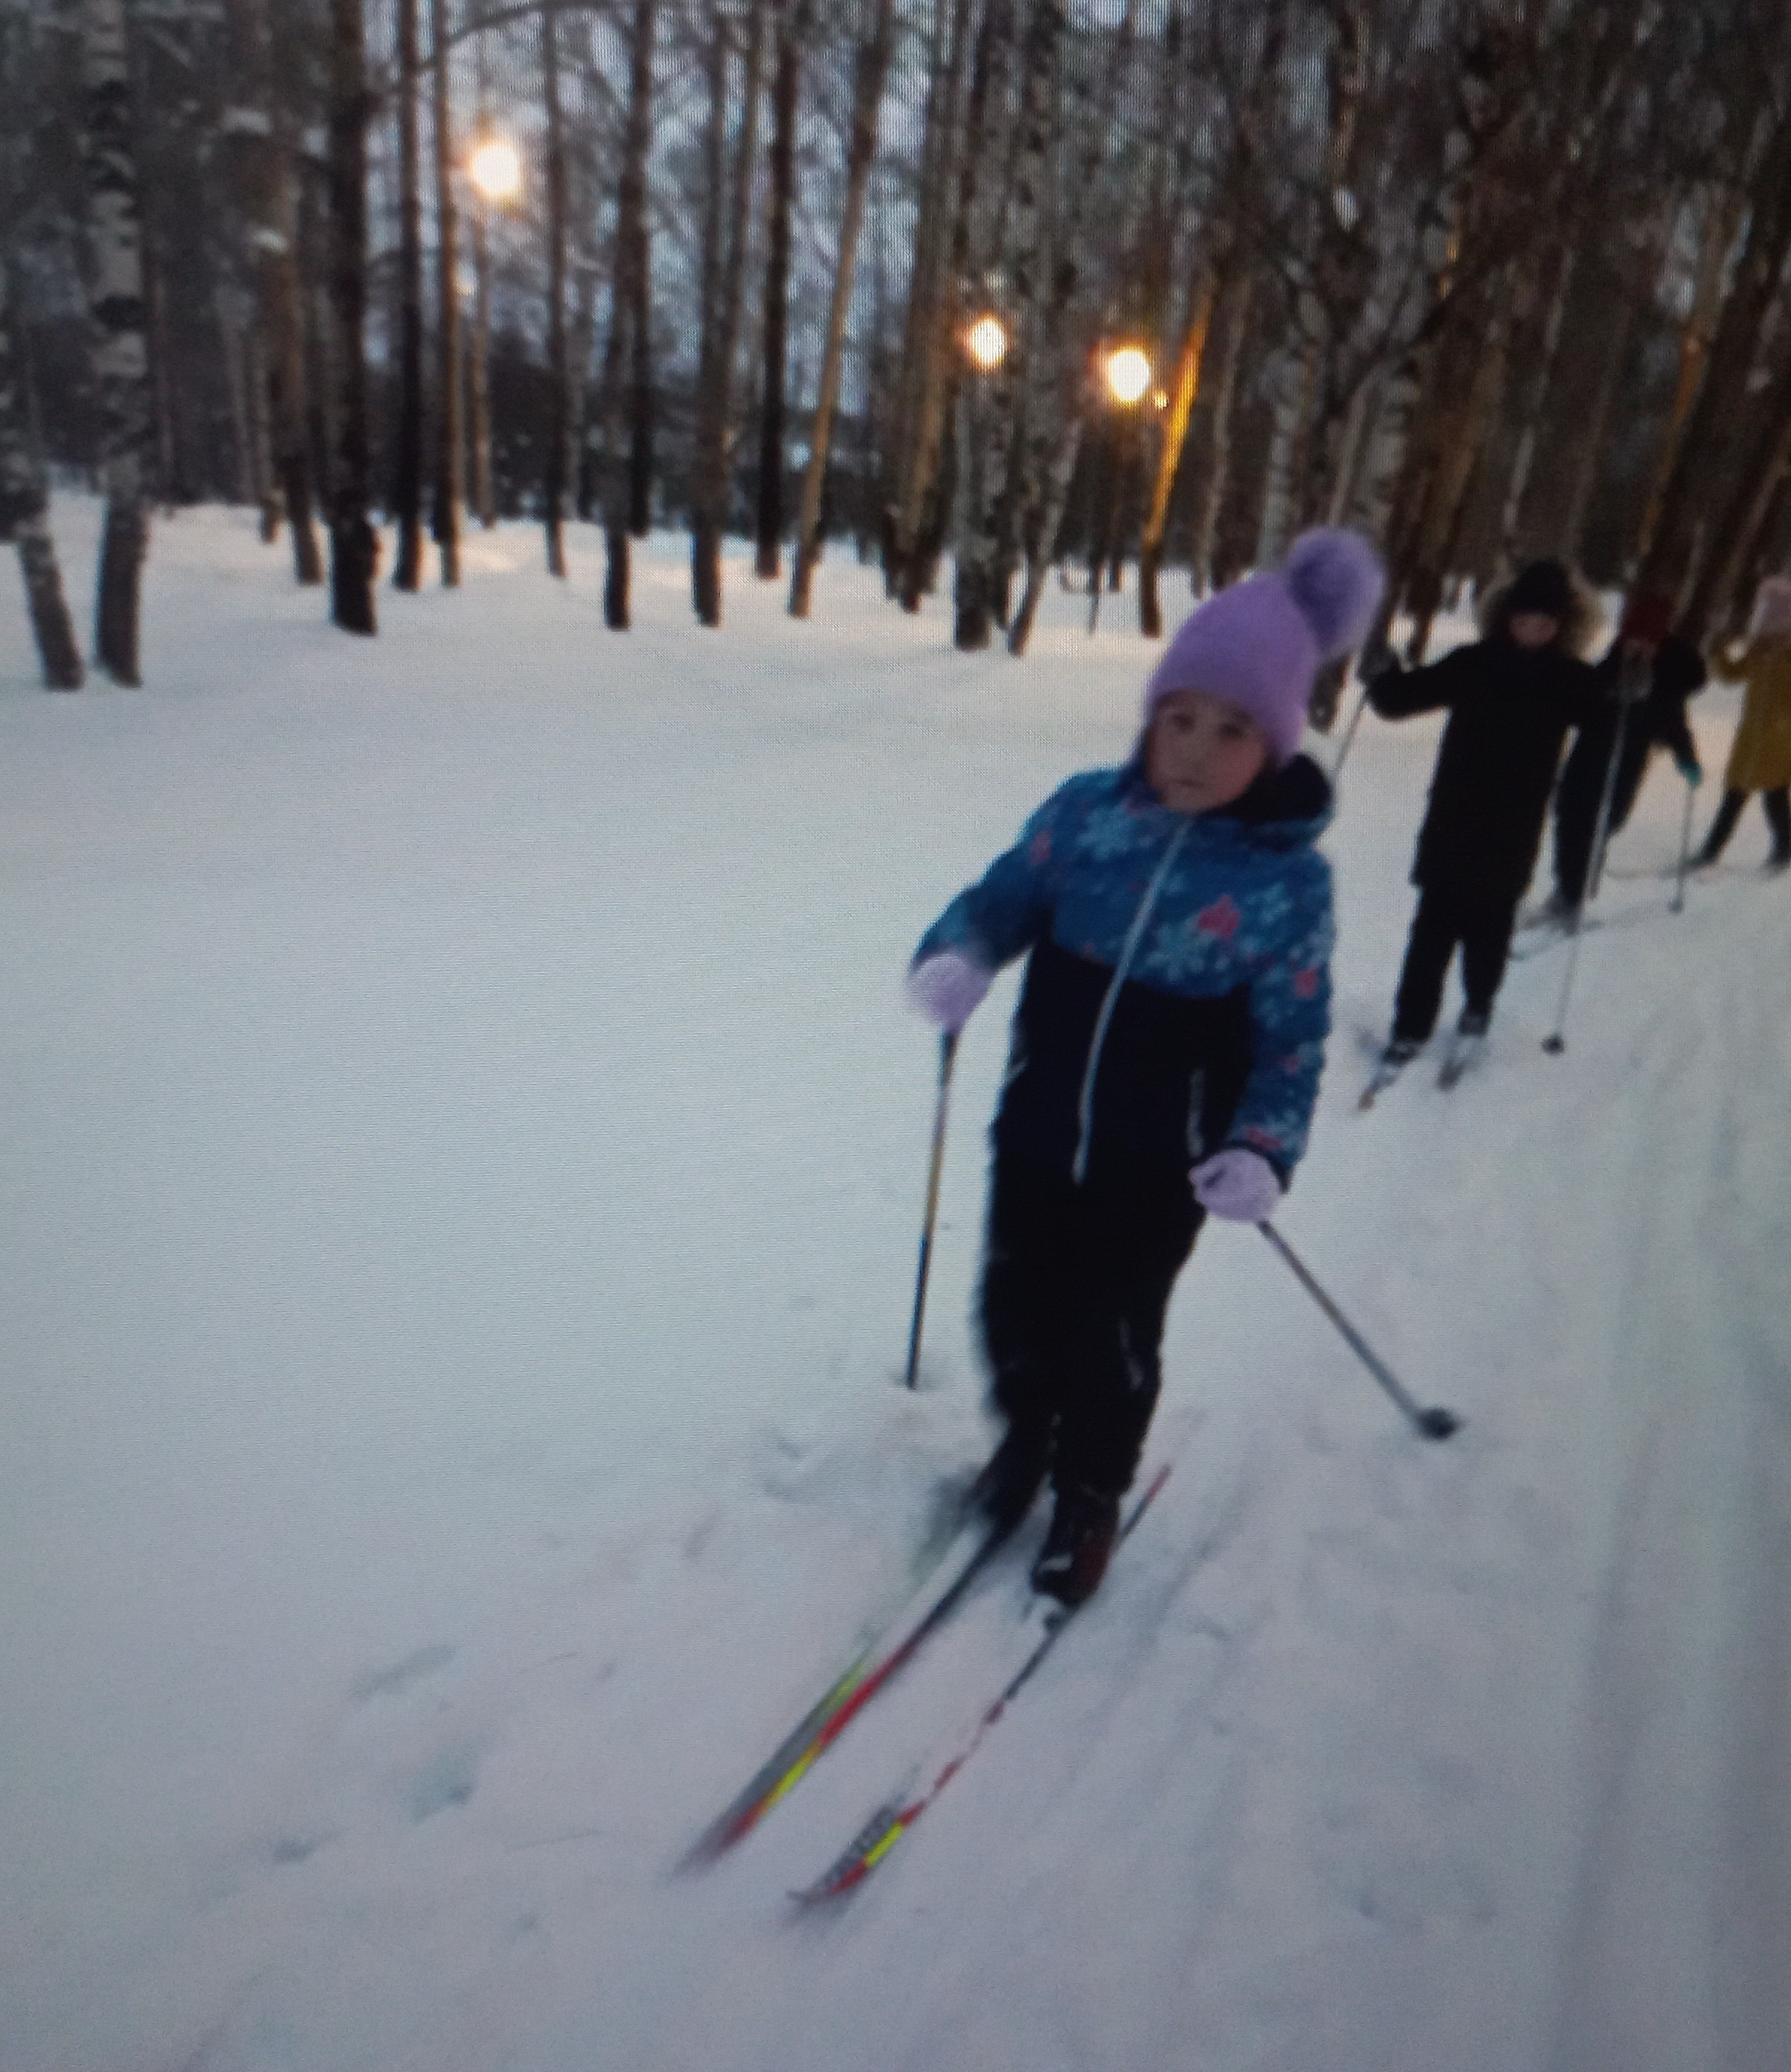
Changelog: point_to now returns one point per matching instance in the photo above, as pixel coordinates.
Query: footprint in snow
(389, 1683)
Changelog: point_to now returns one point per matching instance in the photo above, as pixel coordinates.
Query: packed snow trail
(462, 1158)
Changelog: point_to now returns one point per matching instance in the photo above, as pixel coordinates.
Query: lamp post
(494, 170)
(1128, 376)
(987, 342)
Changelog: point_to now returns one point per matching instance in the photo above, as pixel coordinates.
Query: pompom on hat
(1259, 642)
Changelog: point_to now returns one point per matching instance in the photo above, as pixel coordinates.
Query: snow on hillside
(463, 1154)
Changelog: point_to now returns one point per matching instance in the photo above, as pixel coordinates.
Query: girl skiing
(1176, 918)
(1511, 699)
(1759, 759)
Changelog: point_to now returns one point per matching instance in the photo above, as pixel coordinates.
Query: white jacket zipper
(1085, 1106)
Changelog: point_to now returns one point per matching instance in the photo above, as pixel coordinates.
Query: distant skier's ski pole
(1349, 734)
(1685, 854)
(1557, 1041)
(1435, 1423)
(948, 1050)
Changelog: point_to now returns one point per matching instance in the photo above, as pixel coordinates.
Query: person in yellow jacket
(1760, 758)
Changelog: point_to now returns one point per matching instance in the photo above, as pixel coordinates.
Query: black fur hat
(1543, 586)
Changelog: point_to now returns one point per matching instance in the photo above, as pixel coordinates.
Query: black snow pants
(1581, 791)
(1777, 808)
(1076, 1284)
(1481, 922)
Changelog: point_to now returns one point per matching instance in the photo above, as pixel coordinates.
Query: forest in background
(1484, 278)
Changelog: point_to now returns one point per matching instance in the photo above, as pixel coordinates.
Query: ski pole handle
(1435, 1423)
(948, 1051)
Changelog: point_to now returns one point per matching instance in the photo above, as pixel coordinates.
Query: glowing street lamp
(495, 168)
(1129, 374)
(986, 342)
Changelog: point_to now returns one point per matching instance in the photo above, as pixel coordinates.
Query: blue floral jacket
(1177, 995)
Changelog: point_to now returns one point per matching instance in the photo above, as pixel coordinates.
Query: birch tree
(449, 450)
(118, 318)
(795, 18)
(407, 488)
(870, 73)
(353, 547)
(258, 122)
(25, 515)
(729, 196)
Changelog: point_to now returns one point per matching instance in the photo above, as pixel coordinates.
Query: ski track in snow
(461, 1172)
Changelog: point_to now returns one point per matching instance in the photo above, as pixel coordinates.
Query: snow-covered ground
(462, 1156)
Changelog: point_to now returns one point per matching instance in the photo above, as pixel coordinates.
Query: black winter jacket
(1510, 709)
(1660, 716)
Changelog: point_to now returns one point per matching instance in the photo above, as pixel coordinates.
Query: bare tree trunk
(1174, 434)
(166, 481)
(1463, 438)
(628, 350)
(705, 541)
(1225, 394)
(120, 349)
(1532, 404)
(260, 128)
(872, 71)
(636, 149)
(1049, 519)
(1721, 224)
(479, 428)
(924, 515)
(479, 403)
(793, 18)
(449, 465)
(977, 591)
(612, 470)
(1711, 448)
(927, 323)
(250, 484)
(1293, 407)
(710, 486)
(25, 518)
(1740, 521)
(553, 462)
(354, 547)
(407, 488)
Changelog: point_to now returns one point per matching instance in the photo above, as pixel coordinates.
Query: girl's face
(1202, 751)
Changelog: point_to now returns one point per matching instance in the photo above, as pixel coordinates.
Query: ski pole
(1684, 855)
(1601, 839)
(948, 1050)
(1349, 733)
(1556, 1042)
(1436, 1423)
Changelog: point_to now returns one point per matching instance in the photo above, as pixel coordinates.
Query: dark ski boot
(1399, 1054)
(1074, 1556)
(1465, 1047)
(1012, 1476)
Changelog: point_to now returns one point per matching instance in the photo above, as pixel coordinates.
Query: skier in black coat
(1512, 698)
(1648, 675)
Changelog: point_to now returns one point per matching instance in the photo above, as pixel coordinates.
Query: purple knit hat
(1260, 641)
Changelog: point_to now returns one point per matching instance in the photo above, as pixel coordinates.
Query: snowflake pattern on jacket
(1245, 903)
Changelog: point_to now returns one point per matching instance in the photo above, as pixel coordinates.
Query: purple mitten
(1238, 1184)
(947, 988)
